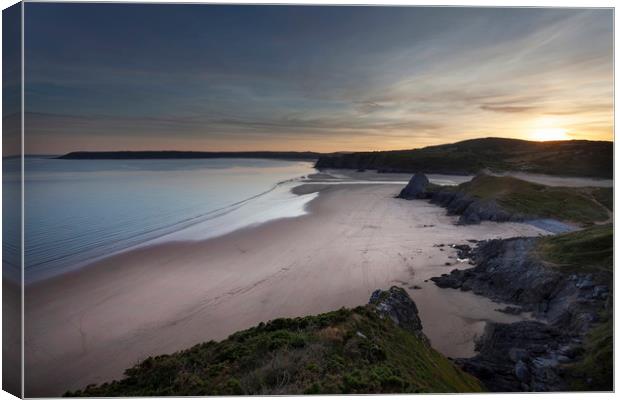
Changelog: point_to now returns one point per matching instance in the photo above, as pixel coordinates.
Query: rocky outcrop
(527, 355)
(396, 304)
(416, 188)
(508, 271)
(472, 210)
(522, 356)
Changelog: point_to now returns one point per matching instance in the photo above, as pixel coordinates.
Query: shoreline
(299, 186)
(227, 220)
(87, 326)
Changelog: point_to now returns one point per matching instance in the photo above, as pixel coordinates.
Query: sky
(233, 78)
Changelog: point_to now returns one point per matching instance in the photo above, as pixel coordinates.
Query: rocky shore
(535, 355)
(507, 199)
(566, 300)
(472, 210)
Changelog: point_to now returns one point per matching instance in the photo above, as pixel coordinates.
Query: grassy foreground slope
(345, 351)
(584, 206)
(588, 251)
(570, 158)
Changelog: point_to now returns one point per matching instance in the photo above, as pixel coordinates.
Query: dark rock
(506, 272)
(518, 354)
(472, 210)
(568, 351)
(416, 188)
(522, 372)
(446, 281)
(585, 282)
(600, 292)
(510, 310)
(504, 362)
(526, 355)
(396, 304)
(463, 251)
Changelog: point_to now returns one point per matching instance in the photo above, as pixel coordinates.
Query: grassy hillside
(588, 251)
(345, 351)
(580, 205)
(570, 158)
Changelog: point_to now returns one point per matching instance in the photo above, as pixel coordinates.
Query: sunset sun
(547, 134)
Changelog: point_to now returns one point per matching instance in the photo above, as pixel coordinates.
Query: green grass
(575, 205)
(588, 251)
(605, 196)
(315, 354)
(595, 371)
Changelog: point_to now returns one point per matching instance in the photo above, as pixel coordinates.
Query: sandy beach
(89, 325)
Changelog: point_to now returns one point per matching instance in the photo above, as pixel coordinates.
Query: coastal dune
(89, 325)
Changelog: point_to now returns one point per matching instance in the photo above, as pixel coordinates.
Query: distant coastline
(170, 154)
(573, 158)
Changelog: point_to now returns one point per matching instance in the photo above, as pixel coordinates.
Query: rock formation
(528, 355)
(396, 304)
(416, 188)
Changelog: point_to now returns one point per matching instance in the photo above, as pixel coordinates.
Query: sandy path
(567, 181)
(442, 179)
(89, 325)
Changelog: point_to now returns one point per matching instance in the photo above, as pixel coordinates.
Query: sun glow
(546, 134)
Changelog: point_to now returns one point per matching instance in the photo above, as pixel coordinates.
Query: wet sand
(89, 325)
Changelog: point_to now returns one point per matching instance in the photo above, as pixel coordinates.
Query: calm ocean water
(80, 210)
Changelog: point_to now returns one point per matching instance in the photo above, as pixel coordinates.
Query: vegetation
(605, 196)
(596, 370)
(520, 197)
(345, 351)
(588, 251)
(571, 158)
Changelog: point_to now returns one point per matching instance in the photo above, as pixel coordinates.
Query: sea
(77, 211)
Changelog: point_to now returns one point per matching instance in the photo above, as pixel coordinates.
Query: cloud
(380, 78)
(367, 107)
(506, 109)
